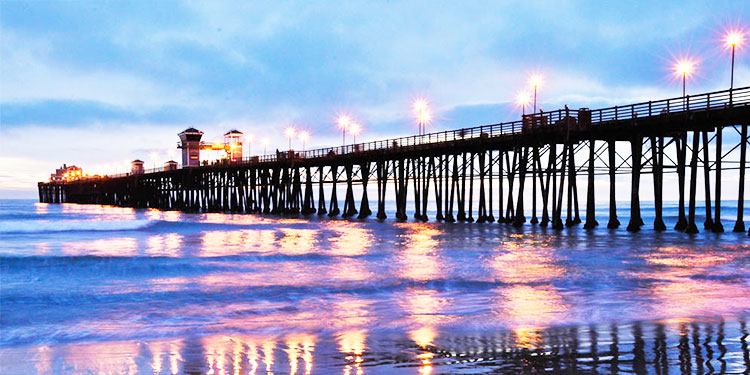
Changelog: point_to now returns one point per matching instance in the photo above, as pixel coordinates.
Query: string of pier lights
(683, 67)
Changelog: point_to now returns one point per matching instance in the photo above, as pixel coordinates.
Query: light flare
(289, 132)
(734, 38)
(355, 128)
(685, 67)
(343, 121)
(535, 80)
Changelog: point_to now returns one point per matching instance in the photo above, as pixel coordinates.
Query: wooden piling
(718, 226)
(635, 223)
(691, 227)
(739, 225)
(614, 222)
(590, 203)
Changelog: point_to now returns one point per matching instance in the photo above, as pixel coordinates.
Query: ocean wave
(43, 226)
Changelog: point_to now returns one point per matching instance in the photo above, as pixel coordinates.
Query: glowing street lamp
(522, 99)
(355, 129)
(289, 132)
(535, 81)
(304, 136)
(733, 39)
(684, 68)
(421, 107)
(343, 122)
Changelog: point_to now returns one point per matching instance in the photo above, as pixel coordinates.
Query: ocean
(87, 289)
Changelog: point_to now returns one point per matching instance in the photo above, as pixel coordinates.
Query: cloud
(147, 71)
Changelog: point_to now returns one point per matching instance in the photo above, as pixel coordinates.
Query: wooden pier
(494, 166)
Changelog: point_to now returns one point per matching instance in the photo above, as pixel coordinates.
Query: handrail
(599, 117)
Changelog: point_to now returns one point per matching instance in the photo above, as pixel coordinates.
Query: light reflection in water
(530, 302)
(172, 216)
(268, 347)
(677, 289)
(164, 245)
(165, 350)
(717, 345)
(300, 347)
(352, 345)
(90, 209)
(424, 337)
(214, 348)
(525, 260)
(41, 208)
(417, 256)
(292, 241)
(111, 247)
(350, 239)
(235, 242)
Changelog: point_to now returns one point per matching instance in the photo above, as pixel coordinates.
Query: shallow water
(92, 289)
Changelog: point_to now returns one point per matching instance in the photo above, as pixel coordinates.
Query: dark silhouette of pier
(494, 166)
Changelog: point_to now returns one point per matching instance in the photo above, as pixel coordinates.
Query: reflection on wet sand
(352, 344)
(687, 347)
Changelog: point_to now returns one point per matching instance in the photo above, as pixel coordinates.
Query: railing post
(615, 112)
(649, 108)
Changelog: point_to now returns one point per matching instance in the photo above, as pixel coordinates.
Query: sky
(100, 83)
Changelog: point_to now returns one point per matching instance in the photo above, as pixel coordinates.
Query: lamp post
(289, 134)
(733, 39)
(522, 99)
(684, 68)
(535, 81)
(304, 136)
(421, 107)
(343, 124)
(354, 129)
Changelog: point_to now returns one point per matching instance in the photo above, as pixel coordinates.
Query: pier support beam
(591, 222)
(708, 223)
(520, 218)
(333, 209)
(691, 227)
(739, 225)
(546, 186)
(635, 223)
(718, 226)
(657, 157)
(613, 221)
(681, 144)
(534, 173)
(321, 193)
(557, 218)
(381, 170)
(364, 205)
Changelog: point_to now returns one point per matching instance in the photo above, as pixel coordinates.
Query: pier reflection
(661, 347)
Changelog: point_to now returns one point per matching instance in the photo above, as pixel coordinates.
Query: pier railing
(551, 119)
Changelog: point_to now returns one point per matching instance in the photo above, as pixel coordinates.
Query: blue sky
(99, 83)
